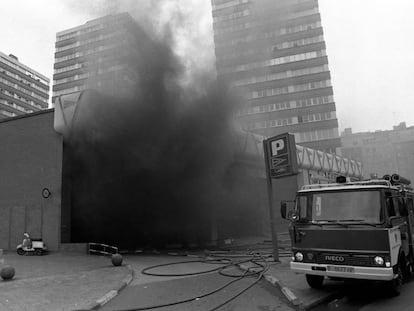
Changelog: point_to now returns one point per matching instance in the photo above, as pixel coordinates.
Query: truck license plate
(341, 269)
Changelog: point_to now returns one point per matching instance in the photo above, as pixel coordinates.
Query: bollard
(7, 273)
(117, 259)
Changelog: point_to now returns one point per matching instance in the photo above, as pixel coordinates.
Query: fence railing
(102, 249)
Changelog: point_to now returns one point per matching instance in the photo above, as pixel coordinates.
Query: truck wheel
(407, 271)
(395, 285)
(314, 281)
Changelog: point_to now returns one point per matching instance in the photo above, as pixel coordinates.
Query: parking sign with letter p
(280, 154)
(278, 147)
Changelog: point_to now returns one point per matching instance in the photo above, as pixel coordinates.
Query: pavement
(295, 288)
(75, 281)
(59, 281)
(292, 285)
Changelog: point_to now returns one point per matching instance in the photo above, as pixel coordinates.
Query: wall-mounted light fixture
(46, 193)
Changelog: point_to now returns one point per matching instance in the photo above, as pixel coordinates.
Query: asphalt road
(404, 302)
(371, 297)
(145, 296)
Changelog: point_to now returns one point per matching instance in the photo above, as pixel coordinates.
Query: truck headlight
(379, 260)
(299, 256)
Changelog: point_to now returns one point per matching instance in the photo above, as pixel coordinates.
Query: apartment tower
(22, 89)
(95, 56)
(273, 52)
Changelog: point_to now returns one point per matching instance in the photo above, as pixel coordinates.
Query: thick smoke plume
(186, 24)
(155, 167)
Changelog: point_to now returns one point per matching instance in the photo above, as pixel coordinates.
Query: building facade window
(297, 43)
(289, 89)
(299, 103)
(316, 135)
(67, 68)
(274, 61)
(281, 75)
(273, 123)
(329, 115)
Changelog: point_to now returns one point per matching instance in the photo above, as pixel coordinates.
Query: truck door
(403, 223)
(410, 208)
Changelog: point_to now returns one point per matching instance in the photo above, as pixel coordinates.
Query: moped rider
(27, 241)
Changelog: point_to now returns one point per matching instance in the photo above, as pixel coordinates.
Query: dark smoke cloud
(186, 23)
(142, 165)
(155, 167)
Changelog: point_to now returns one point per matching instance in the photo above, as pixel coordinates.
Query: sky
(370, 48)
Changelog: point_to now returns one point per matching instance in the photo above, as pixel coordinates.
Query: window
(302, 207)
(389, 205)
(410, 205)
(363, 206)
(275, 61)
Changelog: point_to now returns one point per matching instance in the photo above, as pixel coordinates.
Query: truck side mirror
(293, 216)
(288, 212)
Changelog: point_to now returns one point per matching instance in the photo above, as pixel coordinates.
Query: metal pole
(270, 202)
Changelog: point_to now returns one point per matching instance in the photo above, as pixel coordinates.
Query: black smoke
(155, 166)
(151, 167)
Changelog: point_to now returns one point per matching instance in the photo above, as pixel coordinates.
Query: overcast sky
(370, 49)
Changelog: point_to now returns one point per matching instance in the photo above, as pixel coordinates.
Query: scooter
(38, 248)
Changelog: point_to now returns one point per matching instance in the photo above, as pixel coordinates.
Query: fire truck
(353, 230)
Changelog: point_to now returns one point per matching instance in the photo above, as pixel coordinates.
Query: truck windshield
(345, 206)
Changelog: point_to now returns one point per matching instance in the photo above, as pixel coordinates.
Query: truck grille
(342, 259)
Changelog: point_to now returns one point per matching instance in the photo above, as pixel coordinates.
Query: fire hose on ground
(260, 266)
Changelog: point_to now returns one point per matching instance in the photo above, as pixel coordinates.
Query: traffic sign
(280, 155)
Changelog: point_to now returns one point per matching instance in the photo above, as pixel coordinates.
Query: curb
(317, 302)
(290, 296)
(113, 293)
(275, 282)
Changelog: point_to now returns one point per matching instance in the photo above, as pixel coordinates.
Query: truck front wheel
(395, 285)
(314, 281)
(407, 269)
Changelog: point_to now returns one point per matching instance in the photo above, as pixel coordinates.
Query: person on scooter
(27, 241)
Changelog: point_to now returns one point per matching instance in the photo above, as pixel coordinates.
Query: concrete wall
(30, 160)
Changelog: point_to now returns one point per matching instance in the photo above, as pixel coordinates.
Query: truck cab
(353, 230)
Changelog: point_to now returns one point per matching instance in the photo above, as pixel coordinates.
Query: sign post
(281, 161)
